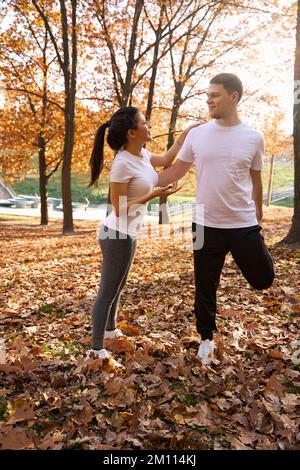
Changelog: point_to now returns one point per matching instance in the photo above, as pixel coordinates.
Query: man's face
(220, 103)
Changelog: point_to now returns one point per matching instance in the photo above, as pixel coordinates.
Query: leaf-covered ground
(51, 398)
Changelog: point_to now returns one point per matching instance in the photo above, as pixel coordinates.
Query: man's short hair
(230, 82)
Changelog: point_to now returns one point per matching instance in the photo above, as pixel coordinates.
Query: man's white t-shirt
(141, 178)
(223, 157)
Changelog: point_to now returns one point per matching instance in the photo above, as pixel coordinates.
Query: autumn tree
(135, 36)
(61, 25)
(131, 39)
(132, 52)
(117, 25)
(184, 56)
(293, 236)
(212, 39)
(33, 110)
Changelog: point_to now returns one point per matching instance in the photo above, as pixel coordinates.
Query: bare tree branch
(24, 90)
(47, 25)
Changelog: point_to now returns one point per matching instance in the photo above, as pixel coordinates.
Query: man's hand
(257, 193)
(260, 217)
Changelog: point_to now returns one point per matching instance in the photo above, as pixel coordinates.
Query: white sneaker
(206, 349)
(103, 354)
(116, 333)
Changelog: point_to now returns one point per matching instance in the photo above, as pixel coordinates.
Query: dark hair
(230, 82)
(118, 126)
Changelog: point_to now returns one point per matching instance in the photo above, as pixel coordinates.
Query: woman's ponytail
(97, 158)
(119, 124)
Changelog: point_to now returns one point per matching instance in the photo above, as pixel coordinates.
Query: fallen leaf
(15, 438)
(22, 410)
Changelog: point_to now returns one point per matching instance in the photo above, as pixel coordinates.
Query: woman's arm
(166, 159)
(119, 196)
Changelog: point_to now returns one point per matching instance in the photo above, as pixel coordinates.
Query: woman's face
(142, 132)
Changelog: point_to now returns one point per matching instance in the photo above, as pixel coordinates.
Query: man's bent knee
(263, 283)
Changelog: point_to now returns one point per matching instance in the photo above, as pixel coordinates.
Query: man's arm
(257, 193)
(173, 173)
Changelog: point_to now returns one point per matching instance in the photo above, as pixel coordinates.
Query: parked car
(6, 202)
(33, 201)
(23, 201)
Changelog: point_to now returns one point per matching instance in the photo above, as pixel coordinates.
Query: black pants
(250, 254)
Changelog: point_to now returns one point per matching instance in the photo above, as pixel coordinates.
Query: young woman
(133, 182)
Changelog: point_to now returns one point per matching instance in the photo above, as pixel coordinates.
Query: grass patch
(200, 429)
(138, 387)
(177, 385)
(74, 401)
(149, 314)
(38, 427)
(294, 389)
(80, 387)
(287, 202)
(80, 190)
(283, 175)
(189, 400)
(18, 389)
(283, 178)
(46, 309)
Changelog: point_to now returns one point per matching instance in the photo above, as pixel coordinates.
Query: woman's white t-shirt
(141, 178)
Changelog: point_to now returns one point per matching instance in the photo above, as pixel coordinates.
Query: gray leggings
(118, 253)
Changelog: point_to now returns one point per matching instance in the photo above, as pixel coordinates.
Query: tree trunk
(42, 144)
(293, 236)
(155, 61)
(173, 121)
(163, 211)
(127, 97)
(70, 70)
(68, 65)
(43, 180)
(163, 201)
(66, 192)
(270, 184)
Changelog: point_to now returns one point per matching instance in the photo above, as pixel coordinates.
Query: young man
(228, 159)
